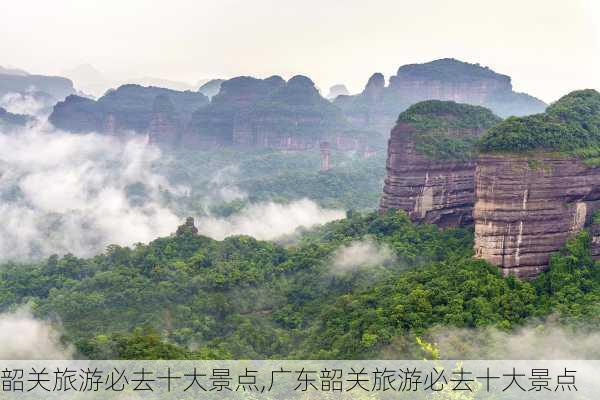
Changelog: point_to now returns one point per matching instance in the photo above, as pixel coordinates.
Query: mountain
(431, 161)
(266, 113)
(538, 183)
(377, 107)
(130, 108)
(25, 92)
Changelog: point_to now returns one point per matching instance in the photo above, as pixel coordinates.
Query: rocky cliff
(377, 107)
(22, 82)
(214, 124)
(537, 182)
(431, 162)
(145, 110)
(367, 111)
(528, 206)
(21, 92)
(271, 113)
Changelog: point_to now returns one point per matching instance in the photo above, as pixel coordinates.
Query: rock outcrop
(528, 206)
(537, 183)
(367, 111)
(376, 108)
(188, 228)
(214, 124)
(145, 110)
(20, 82)
(165, 123)
(431, 165)
(267, 113)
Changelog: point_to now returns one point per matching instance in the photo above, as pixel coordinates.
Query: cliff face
(165, 122)
(294, 117)
(146, 110)
(368, 110)
(439, 192)
(378, 105)
(448, 79)
(23, 93)
(528, 207)
(537, 183)
(56, 87)
(214, 124)
(424, 178)
(271, 113)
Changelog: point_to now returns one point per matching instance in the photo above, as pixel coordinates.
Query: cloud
(361, 254)
(267, 221)
(62, 192)
(77, 193)
(24, 103)
(25, 338)
(548, 340)
(222, 187)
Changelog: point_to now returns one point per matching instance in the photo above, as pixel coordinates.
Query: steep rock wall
(376, 108)
(432, 191)
(528, 206)
(161, 113)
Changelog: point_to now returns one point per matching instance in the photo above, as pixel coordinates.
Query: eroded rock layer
(527, 207)
(160, 113)
(376, 108)
(433, 191)
(430, 165)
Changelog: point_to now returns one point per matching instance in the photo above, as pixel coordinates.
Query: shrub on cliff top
(568, 125)
(445, 129)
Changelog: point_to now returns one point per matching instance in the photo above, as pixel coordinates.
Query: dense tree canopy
(245, 298)
(570, 124)
(445, 129)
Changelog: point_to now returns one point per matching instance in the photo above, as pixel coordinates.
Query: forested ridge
(189, 296)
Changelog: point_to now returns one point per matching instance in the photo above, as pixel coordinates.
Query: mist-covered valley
(78, 193)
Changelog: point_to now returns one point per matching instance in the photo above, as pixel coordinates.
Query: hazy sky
(549, 47)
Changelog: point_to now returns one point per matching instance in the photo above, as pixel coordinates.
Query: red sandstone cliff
(432, 191)
(528, 206)
(430, 164)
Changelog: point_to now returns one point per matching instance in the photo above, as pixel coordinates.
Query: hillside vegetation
(244, 298)
(446, 129)
(570, 125)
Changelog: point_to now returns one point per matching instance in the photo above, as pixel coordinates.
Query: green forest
(570, 125)
(187, 296)
(353, 182)
(445, 130)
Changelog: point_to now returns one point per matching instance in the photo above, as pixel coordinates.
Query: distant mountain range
(272, 112)
(45, 91)
(378, 106)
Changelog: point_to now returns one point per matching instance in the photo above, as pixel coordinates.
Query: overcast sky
(549, 47)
